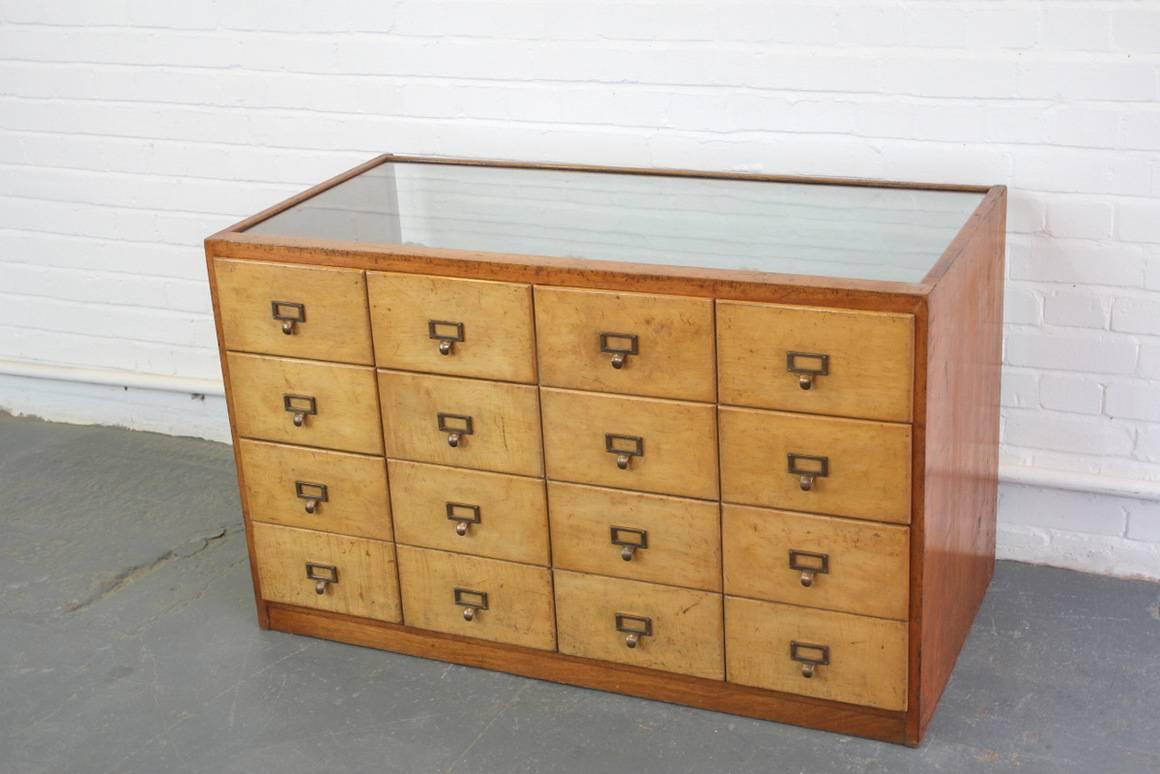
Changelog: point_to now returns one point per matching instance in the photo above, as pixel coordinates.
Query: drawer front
(302, 402)
(772, 646)
(631, 443)
(844, 467)
(473, 597)
(819, 361)
(816, 561)
(341, 574)
(312, 489)
(643, 624)
(462, 422)
(471, 512)
(634, 343)
(460, 327)
(636, 536)
(297, 311)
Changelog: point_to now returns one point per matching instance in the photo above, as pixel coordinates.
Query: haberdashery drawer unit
(726, 440)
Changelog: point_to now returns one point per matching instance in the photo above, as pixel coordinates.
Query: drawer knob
(300, 406)
(620, 346)
(634, 627)
(810, 655)
(630, 541)
(809, 564)
(464, 516)
(457, 426)
(289, 314)
(314, 494)
(808, 468)
(625, 447)
(323, 575)
(808, 366)
(471, 602)
(447, 333)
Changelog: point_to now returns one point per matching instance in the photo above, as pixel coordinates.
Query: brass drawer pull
(464, 516)
(456, 426)
(471, 602)
(810, 655)
(447, 333)
(625, 447)
(620, 346)
(301, 406)
(289, 313)
(634, 627)
(809, 564)
(313, 494)
(808, 366)
(807, 468)
(322, 574)
(630, 539)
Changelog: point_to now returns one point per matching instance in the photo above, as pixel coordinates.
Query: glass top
(792, 228)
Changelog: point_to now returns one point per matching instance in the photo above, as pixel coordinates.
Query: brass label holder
(447, 332)
(808, 366)
(807, 467)
(631, 540)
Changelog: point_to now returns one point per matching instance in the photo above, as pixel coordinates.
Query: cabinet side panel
(964, 352)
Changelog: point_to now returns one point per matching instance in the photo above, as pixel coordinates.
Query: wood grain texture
(870, 359)
(335, 325)
(679, 439)
(520, 607)
(674, 339)
(867, 562)
(686, 625)
(496, 319)
(345, 397)
(505, 420)
(512, 511)
(867, 655)
(869, 464)
(684, 536)
(357, 501)
(367, 583)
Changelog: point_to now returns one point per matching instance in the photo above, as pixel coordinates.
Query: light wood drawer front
(867, 656)
(662, 345)
(323, 311)
(473, 597)
(486, 514)
(484, 327)
(356, 576)
(816, 561)
(271, 394)
(323, 490)
(493, 425)
(675, 630)
(665, 539)
(869, 359)
(677, 442)
(866, 464)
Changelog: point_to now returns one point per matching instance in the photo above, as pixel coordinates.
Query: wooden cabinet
(724, 440)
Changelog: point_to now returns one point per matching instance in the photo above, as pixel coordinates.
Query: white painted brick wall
(130, 129)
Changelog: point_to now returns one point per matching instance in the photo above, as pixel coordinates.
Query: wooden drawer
(473, 597)
(662, 346)
(863, 467)
(665, 446)
(323, 490)
(485, 328)
(676, 630)
(324, 310)
(496, 426)
(866, 360)
(665, 539)
(867, 656)
(293, 564)
(338, 404)
(487, 514)
(816, 561)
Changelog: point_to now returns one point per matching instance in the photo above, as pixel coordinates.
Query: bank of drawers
(720, 489)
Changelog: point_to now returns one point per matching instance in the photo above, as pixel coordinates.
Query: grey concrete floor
(128, 644)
